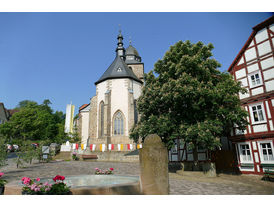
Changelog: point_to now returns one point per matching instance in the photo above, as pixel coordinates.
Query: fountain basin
(91, 185)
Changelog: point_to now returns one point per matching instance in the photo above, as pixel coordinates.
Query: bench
(92, 157)
(269, 175)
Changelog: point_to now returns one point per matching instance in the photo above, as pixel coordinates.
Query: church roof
(131, 51)
(118, 69)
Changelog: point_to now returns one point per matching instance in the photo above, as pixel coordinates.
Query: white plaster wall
(249, 128)
(250, 54)
(254, 145)
(261, 35)
(244, 82)
(258, 90)
(272, 101)
(256, 156)
(101, 90)
(260, 128)
(269, 86)
(267, 63)
(137, 89)
(242, 96)
(119, 100)
(241, 61)
(252, 68)
(271, 125)
(267, 110)
(251, 44)
(240, 73)
(85, 126)
(264, 48)
(268, 74)
(239, 132)
(271, 27)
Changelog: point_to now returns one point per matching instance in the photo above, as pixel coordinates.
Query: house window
(257, 113)
(118, 124)
(255, 79)
(245, 154)
(266, 150)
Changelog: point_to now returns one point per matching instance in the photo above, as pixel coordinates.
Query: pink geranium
(37, 179)
(111, 169)
(1, 174)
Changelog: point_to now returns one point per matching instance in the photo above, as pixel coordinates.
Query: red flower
(58, 177)
(111, 169)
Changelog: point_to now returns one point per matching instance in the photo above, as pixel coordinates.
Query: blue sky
(59, 56)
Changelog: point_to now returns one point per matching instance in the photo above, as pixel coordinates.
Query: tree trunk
(195, 159)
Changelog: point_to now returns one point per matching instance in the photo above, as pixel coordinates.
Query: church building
(112, 112)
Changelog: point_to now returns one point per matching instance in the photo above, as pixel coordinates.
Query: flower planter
(2, 189)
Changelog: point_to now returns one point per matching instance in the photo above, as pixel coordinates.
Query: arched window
(101, 132)
(118, 123)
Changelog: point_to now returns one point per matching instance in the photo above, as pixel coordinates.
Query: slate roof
(118, 69)
(131, 51)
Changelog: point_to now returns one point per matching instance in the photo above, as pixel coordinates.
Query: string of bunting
(102, 147)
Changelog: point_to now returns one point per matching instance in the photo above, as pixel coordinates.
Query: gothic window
(119, 69)
(118, 123)
(101, 119)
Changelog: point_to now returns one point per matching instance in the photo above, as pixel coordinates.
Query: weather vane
(130, 40)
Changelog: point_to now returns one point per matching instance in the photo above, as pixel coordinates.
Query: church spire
(120, 50)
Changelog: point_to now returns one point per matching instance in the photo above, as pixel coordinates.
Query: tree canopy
(35, 122)
(186, 96)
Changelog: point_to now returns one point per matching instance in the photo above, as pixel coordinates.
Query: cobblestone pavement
(179, 185)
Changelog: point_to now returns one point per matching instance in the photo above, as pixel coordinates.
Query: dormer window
(119, 69)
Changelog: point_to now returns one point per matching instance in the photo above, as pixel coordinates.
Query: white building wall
(250, 54)
(269, 86)
(261, 35)
(85, 126)
(101, 89)
(244, 82)
(252, 68)
(242, 96)
(240, 73)
(256, 91)
(260, 128)
(119, 100)
(264, 48)
(137, 89)
(267, 63)
(268, 74)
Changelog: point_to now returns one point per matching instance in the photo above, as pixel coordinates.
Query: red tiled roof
(256, 28)
(83, 106)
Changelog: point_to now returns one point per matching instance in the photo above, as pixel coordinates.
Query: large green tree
(35, 122)
(186, 96)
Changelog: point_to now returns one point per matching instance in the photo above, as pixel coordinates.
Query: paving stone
(179, 185)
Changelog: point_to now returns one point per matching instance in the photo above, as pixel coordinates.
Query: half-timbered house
(254, 68)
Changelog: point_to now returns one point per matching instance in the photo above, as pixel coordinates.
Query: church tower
(113, 110)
